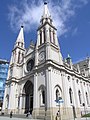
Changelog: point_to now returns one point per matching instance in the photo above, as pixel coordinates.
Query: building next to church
(38, 77)
(3, 76)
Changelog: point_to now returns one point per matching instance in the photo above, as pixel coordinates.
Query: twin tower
(38, 77)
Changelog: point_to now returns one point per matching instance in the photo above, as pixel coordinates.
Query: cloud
(74, 32)
(29, 14)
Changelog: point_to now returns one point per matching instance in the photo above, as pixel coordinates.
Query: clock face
(42, 56)
(30, 65)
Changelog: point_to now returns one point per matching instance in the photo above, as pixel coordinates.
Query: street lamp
(59, 100)
(73, 112)
(59, 108)
(84, 109)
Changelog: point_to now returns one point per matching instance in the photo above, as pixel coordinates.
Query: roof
(3, 61)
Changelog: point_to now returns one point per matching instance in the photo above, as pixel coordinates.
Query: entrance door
(29, 97)
(31, 104)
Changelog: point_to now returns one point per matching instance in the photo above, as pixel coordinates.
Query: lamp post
(73, 112)
(59, 110)
(84, 109)
(59, 101)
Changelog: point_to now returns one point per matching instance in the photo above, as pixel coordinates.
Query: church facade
(39, 80)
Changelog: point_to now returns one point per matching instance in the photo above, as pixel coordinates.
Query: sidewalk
(88, 118)
(13, 118)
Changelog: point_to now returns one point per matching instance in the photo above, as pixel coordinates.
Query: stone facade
(41, 82)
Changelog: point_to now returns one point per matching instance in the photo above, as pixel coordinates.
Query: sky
(70, 17)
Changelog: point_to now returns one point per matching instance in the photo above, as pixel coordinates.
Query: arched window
(53, 37)
(18, 43)
(57, 94)
(44, 32)
(22, 56)
(79, 94)
(18, 101)
(50, 35)
(70, 93)
(87, 98)
(21, 44)
(18, 56)
(43, 97)
(40, 37)
(7, 101)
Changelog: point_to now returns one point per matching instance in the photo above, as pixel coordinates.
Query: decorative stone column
(48, 103)
(35, 98)
(20, 104)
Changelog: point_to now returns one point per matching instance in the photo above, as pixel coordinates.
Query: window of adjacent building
(0, 91)
(79, 95)
(1, 84)
(70, 94)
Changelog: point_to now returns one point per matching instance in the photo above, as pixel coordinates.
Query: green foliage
(87, 115)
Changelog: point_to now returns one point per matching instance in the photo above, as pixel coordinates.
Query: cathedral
(41, 82)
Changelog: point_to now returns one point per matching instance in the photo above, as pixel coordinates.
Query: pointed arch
(7, 101)
(40, 37)
(41, 90)
(44, 32)
(79, 95)
(50, 34)
(28, 95)
(70, 94)
(58, 92)
(87, 98)
(19, 56)
(53, 36)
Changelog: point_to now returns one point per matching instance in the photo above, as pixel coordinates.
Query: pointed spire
(46, 13)
(69, 56)
(69, 61)
(20, 38)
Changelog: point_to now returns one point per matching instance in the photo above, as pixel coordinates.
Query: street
(13, 118)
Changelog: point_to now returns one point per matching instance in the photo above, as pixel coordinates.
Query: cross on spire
(45, 2)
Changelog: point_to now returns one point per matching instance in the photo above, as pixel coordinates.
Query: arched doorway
(7, 101)
(28, 89)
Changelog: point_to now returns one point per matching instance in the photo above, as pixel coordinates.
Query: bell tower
(47, 39)
(15, 67)
(47, 54)
(17, 54)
